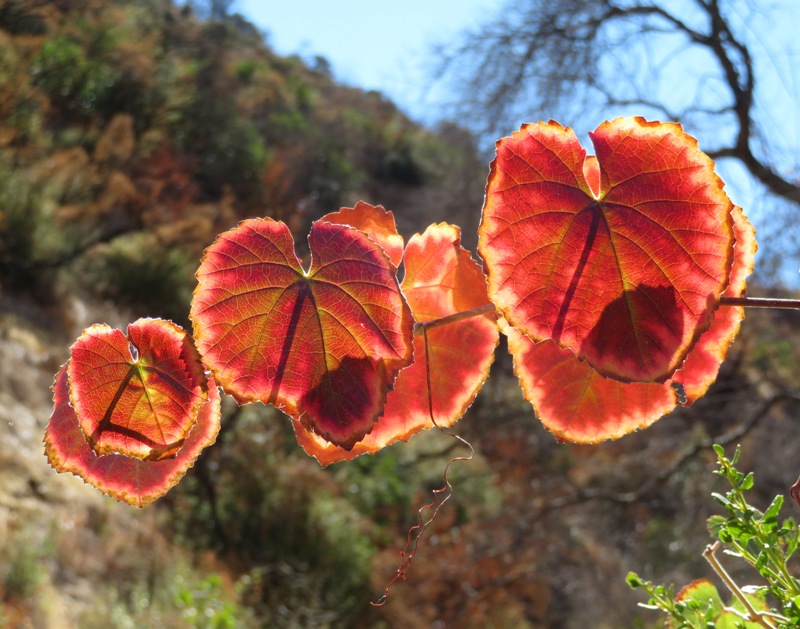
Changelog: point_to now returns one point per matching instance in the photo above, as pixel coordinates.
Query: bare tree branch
(546, 56)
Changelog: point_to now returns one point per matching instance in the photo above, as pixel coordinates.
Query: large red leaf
(624, 266)
(702, 364)
(136, 395)
(127, 479)
(323, 345)
(377, 222)
(441, 279)
(578, 404)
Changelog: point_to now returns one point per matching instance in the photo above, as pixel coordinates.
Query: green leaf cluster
(759, 538)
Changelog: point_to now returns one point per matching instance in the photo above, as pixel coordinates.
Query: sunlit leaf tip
(623, 259)
(377, 222)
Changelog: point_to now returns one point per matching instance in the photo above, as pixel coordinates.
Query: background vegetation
(131, 133)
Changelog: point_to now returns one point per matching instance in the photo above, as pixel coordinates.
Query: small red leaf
(376, 222)
(127, 479)
(574, 401)
(441, 279)
(702, 364)
(324, 345)
(136, 395)
(622, 261)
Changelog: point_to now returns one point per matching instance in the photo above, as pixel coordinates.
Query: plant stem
(760, 302)
(453, 318)
(753, 615)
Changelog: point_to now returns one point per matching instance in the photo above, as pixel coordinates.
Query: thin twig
(752, 614)
(416, 532)
(760, 302)
(419, 327)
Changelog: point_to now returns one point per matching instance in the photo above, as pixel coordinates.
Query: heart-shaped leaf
(136, 395)
(323, 345)
(441, 279)
(621, 259)
(127, 479)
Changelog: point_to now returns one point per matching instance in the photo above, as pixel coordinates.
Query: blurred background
(133, 132)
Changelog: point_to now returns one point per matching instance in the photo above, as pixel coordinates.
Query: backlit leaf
(127, 479)
(622, 259)
(441, 279)
(322, 345)
(702, 595)
(702, 364)
(136, 395)
(377, 222)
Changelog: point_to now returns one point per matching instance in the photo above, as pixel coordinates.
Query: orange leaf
(702, 364)
(577, 404)
(574, 401)
(622, 261)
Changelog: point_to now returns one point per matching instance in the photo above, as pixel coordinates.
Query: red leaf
(139, 395)
(127, 479)
(702, 364)
(376, 222)
(574, 401)
(625, 269)
(441, 279)
(324, 345)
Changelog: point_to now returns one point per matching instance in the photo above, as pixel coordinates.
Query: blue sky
(384, 46)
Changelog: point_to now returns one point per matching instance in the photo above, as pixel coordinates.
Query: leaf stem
(760, 302)
(419, 326)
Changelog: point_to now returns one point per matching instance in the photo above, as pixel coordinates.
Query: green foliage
(80, 84)
(182, 597)
(202, 605)
(756, 537)
(19, 203)
(140, 273)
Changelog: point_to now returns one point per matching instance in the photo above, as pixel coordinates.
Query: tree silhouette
(699, 62)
